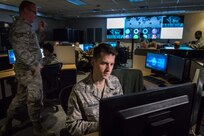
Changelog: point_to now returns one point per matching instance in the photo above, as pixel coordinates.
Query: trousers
(29, 92)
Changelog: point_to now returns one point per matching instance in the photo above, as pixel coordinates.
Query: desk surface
(11, 73)
(149, 85)
(93, 134)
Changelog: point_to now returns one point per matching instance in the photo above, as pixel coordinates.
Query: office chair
(63, 97)
(130, 79)
(51, 82)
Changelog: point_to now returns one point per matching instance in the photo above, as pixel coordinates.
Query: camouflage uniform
(83, 105)
(51, 59)
(28, 56)
(198, 45)
(80, 54)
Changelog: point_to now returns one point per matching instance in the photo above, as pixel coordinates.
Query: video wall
(153, 27)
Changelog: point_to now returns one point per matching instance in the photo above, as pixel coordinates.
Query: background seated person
(49, 58)
(143, 41)
(82, 63)
(153, 45)
(122, 56)
(83, 104)
(199, 44)
(176, 45)
(80, 52)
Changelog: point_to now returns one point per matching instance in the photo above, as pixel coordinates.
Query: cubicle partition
(139, 59)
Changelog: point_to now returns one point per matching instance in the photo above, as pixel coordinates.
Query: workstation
(180, 65)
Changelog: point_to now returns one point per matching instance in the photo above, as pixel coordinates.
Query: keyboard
(153, 80)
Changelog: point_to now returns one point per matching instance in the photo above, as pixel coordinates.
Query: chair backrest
(50, 76)
(64, 95)
(130, 79)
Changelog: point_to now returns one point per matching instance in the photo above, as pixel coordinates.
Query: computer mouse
(161, 85)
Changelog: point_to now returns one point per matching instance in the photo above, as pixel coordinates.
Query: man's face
(30, 13)
(103, 66)
(197, 35)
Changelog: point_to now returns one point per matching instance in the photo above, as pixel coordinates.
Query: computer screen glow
(156, 61)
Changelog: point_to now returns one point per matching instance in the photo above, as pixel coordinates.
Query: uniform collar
(108, 84)
(23, 20)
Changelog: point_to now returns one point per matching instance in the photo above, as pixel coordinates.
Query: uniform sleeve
(41, 35)
(198, 45)
(75, 121)
(120, 92)
(20, 40)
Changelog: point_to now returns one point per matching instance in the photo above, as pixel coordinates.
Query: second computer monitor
(162, 112)
(157, 62)
(177, 68)
(11, 56)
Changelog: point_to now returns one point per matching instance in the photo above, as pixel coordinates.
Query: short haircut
(48, 47)
(199, 32)
(105, 48)
(25, 4)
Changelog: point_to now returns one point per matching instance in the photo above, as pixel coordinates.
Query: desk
(7, 73)
(67, 77)
(68, 66)
(93, 134)
(149, 85)
(11, 73)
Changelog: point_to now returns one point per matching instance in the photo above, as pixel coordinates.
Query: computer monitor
(81, 46)
(87, 47)
(157, 62)
(177, 69)
(11, 56)
(169, 47)
(180, 53)
(113, 44)
(163, 112)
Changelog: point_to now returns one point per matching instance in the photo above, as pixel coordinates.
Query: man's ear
(92, 61)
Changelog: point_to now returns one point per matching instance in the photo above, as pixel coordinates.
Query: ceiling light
(136, 0)
(8, 7)
(76, 2)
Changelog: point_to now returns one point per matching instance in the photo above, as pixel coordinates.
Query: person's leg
(18, 101)
(34, 104)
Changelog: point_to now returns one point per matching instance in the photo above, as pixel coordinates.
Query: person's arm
(20, 41)
(75, 121)
(41, 31)
(120, 92)
(197, 45)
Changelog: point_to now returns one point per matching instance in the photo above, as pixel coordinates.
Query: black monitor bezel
(164, 71)
(109, 107)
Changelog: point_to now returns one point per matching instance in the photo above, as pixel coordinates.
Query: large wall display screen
(153, 27)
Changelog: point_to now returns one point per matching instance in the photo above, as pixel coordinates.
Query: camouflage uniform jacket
(198, 45)
(25, 45)
(83, 105)
(51, 59)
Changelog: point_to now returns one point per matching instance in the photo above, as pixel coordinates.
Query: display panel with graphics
(153, 27)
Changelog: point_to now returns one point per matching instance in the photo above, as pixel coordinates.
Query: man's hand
(37, 69)
(42, 25)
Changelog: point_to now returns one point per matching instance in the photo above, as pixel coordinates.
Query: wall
(6, 16)
(83, 24)
(192, 23)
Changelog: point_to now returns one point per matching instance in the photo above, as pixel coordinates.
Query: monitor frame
(11, 56)
(112, 122)
(156, 55)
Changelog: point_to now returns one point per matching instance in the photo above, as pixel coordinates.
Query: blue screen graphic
(153, 27)
(113, 44)
(11, 56)
(156, 62)
(87, 47)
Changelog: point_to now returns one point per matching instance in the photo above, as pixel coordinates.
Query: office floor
(54, 121)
